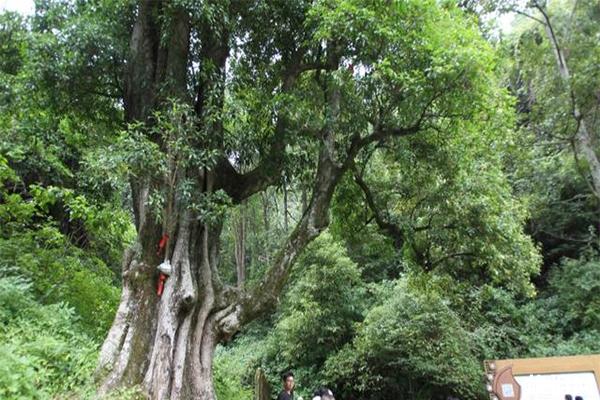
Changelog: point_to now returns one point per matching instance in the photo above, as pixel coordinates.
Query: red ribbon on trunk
(162, 243)
(161, 284)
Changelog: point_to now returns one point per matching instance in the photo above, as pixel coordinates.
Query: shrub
(43, 351)
(58, 271)
(414, 343)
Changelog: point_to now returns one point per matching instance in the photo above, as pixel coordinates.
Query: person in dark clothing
(323, 394)
(288, 387)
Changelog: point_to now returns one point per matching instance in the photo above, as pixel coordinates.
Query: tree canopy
(377, 195)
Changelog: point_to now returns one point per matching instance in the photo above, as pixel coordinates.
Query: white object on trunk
(165, 267)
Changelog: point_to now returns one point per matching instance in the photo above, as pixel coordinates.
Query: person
(323, 394)
(288, 387)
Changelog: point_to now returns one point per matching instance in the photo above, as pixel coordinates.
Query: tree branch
(453, 255)
(252, 302)
(314, 220)
(381, 132)
(392, 230)
(268, 171)
(523, 13)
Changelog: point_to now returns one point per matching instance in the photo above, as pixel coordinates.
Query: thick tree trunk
(165, 344)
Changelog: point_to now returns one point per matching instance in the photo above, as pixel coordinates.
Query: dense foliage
(476, 239)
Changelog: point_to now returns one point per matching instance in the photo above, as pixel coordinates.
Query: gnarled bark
(165, 344)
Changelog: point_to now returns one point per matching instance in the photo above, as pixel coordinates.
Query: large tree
(225, 99)
(560, 82)
(552, 70)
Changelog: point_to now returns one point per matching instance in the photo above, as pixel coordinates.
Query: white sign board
(556, 386)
